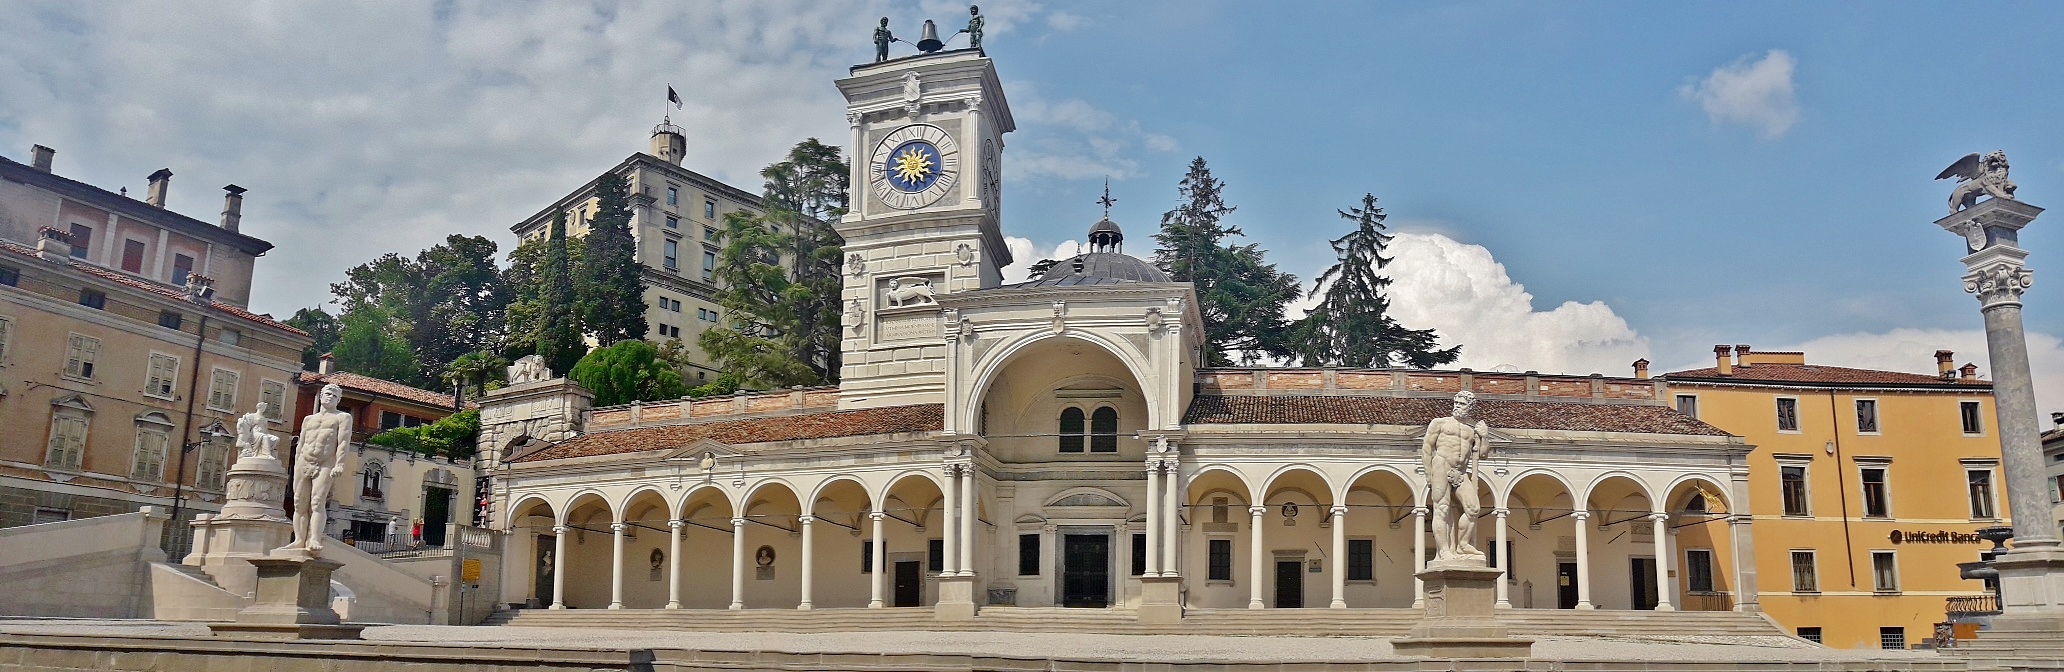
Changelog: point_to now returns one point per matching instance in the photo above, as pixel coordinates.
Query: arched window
(373, 474)
(1103, 430)
(1071, 430)
(1697, 503)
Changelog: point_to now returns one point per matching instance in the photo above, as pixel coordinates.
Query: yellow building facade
(1867, 487)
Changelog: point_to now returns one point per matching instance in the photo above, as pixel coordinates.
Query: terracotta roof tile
(371, 385)
(1820, 375)
(820, 425)
(160, 289)
(1417, 411)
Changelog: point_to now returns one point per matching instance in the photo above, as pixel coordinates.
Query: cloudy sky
(1577, 185)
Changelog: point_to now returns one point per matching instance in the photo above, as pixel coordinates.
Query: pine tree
(806, 194)
(1350, 325)
(526, 313)
(1240, 295)
(610, 284)
(757, 340)
(559, 333)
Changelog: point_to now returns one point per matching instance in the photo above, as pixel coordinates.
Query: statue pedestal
(956, 599)
(1160, 600)
(1460, 619)
(256, 489)
(293, 602)
(251, 524)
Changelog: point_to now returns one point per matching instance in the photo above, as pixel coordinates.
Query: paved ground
(1171, 648)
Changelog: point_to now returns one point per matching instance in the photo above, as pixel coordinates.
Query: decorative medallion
(914, 166)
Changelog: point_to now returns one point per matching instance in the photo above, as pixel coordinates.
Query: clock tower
(926, 153)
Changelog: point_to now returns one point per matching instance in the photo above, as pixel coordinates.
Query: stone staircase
(1233, 622)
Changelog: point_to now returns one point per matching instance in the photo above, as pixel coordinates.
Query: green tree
(526, 315)
(448, 300)
(321, 325)
(805, 194)
(757, 341)
(1350, 325)
(1241, 296)
(453, 437)
(559, 331)
(369, 345)
(610, 279)
(628, 371)
(472, 372)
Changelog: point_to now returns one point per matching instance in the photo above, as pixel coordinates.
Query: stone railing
(743, 403)
(1401, 382)
(1972, 605)
(1708, 602)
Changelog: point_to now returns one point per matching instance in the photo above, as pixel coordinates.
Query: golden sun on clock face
(914, 166)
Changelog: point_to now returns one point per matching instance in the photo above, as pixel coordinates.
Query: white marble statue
(1454, 445)
(529, 369)
(252, 440)
(910, 292)
(318, 458)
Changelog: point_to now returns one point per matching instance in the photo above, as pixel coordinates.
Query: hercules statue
(1452, 449)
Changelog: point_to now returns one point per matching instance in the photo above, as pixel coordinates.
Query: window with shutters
(161, 379)
(1103, 430)
(80, 353)
(1787, 414)
(273, 393)
(222, 390)
(1698, 570)
(1071, 430)
(1688, 404)
(67, 445)
(1866, 416)
(1885, 571)
(213, 471)
(132, 256)
(151, 441)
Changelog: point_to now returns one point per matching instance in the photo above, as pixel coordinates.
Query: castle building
(125, 344)
(1056, 443)
(1869, 486)
(677, 216)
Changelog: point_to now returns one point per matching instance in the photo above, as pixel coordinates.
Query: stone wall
(93, 567)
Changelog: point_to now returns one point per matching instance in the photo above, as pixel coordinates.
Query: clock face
(915, 166)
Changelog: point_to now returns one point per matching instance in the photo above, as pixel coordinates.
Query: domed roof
(1087, 268)
(1106, 226)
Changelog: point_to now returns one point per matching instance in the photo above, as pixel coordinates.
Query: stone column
(809, 557)
(1583, 560)
(1663, 585)
(737, 563)
(1742, 542)
(1254, 557)
(1154, 523)
(616, 531)
(673, 586)
(559, 567)
(970, 511)
(1339, 558)
(1171, 511)
(1504, 561)
(1419, 514)
(949, 527)
(880, 551)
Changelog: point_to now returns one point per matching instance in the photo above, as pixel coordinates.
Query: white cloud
(1020, 269)
(1755, 93)
(1064, 22)
(1913, 350)
(1465, 296)
(1072, 139)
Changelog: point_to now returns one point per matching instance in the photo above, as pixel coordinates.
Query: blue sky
(1578, 185)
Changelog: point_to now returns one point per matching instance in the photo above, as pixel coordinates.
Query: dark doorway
(436, 514)
(1565, 585)
(544, 565)
(1086, 570)
(1289, 584)
(909, 583)
(1643, 578)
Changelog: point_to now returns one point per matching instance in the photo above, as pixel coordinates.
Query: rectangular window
(1885, 571)
(1361, 559)
(935, 555)
(273, 394)
(222, 390)
(709, 209)
(1028, 555)
(1787, 414)
(6, 336)
(1805, 575)
(709, 266)
(150, 456)
(43, 515)
(159, 380)
(389, 420)
(673, 222)
(1866, 416)
(1688, 405)
(709, 234)
(1969, 411)
(673, 255)
(67, 441)
(93, 298)
(1811, 634)
(1892, 637)
(673, 195)
(132, 256)
(171, 319)
(214, 466)
(1221, 552)
(1981, 492)
(1139, 554)
(1793, 480)
(82, 240)
(1875, 504)
(1698, 569)
(182, 266)
(10, 276)
(230, 337)
(866, 556)
(80, 352)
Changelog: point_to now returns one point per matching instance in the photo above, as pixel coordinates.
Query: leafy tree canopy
(626, 372)
(452, 437)
(1241, 296)
(448, 300)
(321, 325)
(369, 345)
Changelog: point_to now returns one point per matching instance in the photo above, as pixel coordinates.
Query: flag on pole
(672, 97)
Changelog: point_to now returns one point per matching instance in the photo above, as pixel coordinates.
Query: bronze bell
(929, 42)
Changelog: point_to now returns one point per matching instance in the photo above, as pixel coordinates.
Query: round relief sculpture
(914, 166)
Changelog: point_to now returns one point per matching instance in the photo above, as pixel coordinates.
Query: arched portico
(533, 527)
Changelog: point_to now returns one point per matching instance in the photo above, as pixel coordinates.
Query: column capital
(877, 515)
(1340, 510)
(617, 527)
(1257, 510)
(1501, 512)
(1999, 282)
(1421, 511)
(1580, 515)
(1659, 516)
(558, 529)
(806, 519)
(676, 524)
(738, 522)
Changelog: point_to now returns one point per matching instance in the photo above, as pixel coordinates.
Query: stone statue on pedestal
(529, 369)
(1451, 451)
(882, 38)
(1976, 176)
(974, 29)
(251, 438)
(324, 435)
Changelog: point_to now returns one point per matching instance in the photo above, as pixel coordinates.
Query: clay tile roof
(1417, 411)
(371, 385)
(160, 289)
(1816, 374)
(821, 425)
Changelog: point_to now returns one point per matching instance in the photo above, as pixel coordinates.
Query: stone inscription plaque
(908, 327)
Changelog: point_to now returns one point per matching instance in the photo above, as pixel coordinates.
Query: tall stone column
(1663, 584)
(949, 526)
(737, 563)
(1255, 551)
(559, 567)
(1419, 514)
(616, 531)
(673, 586)
(1504, 561)
(1154, 523)
(2032, 572)
(1339, 558)
(970, 511)
(881, 555)
(1171, 512)
(1582, 519)
(809, 558)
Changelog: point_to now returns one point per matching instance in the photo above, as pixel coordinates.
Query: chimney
(1741, 354)
(328, 364)
(2057, 418)
(1722, 360)
(1641, 369)
(1970, 373)
(159, 182)
(40, 156)
(53, 245)
(1945, 364)
(232, 207)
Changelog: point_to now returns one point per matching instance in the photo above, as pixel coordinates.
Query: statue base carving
(956, 599)
(1460, 621)
(293, 602)
(1160, 600)
(257, 490)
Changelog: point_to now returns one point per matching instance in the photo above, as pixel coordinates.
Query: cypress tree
(612, 294)
(559, 337)
(1350, 326)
